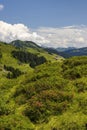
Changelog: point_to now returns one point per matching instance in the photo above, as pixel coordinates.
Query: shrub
(14, 73)
(27, 57)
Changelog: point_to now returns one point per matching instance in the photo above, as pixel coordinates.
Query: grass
(50, 96)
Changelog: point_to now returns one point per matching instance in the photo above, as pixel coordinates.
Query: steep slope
(51, 51)
(7, 49)
(34, 48)
(50, 96)
(24, 44)
(12, 73)
(20, 61)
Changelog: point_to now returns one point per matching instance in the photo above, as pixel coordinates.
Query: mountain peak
(24, 44)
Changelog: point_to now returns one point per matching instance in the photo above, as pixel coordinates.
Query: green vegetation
(27, 57)
(12, 73)
(25, 44)
(50, 96)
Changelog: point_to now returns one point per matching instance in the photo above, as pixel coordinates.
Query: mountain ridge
(24, 44)
(74, 52)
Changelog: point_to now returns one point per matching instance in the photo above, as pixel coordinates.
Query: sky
(52, 23)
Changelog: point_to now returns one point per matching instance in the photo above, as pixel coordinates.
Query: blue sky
(53, 23)
(48, 13)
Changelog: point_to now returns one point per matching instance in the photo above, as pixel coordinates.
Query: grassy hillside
(50, 96)
(25, 44)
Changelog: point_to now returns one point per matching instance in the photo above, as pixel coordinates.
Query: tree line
(27, 57)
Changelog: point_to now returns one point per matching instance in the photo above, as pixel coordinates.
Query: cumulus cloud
(9, 32)
(71, 36)
(1, 7)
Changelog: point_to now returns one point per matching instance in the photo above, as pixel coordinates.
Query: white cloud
(75, 36)
(1, 7)
(9, 32)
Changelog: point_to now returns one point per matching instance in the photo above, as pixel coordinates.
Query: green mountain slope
(24, 44)
(50, 96)
(34, 48)
(6, 50)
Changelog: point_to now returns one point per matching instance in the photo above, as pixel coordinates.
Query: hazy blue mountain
(60, 49)
(74, 52)
(51, 50)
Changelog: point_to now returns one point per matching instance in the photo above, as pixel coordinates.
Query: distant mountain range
(74, 52)
(68, 52)
(60, 49)
(64, 52)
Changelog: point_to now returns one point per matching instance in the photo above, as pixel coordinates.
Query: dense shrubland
(27, 57)
(0, 55)
(51, 96)
(12, 73)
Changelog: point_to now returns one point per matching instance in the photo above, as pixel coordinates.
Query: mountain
(64, 52)
(41, 91)
(30, 46)
(74, 52)
(24, 52)
(24, 44)
(51, 50)
(60, 49)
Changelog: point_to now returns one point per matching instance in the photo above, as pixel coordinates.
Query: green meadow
(41, 91)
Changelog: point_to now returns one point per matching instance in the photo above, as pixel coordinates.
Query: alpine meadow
(43, 68)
